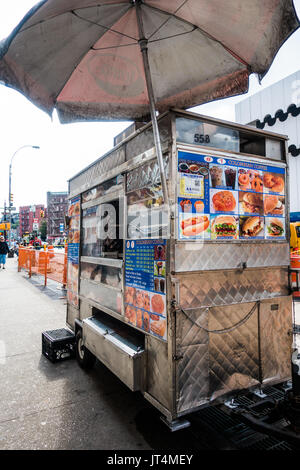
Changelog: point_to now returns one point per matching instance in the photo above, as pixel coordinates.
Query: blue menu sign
(145, 285)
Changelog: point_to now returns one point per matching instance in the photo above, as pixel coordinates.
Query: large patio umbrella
(120, 59)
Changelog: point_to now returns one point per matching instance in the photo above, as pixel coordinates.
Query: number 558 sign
(201, 139)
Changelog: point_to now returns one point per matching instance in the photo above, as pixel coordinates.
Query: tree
(43, 230)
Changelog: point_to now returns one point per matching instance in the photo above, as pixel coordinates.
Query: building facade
(30, 218)
(277, 109)
(57, 209)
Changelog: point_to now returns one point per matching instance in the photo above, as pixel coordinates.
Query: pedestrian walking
(3, 252)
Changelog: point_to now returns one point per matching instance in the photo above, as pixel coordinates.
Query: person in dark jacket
(3, 252)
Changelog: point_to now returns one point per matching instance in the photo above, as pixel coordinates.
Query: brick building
(27, 217)
(57, 208)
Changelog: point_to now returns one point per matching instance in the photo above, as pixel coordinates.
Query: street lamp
(9, 186)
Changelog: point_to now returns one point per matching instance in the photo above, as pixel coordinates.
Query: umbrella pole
(144, 50)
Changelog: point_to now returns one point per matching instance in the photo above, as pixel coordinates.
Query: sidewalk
(60, 406)
(54, 406)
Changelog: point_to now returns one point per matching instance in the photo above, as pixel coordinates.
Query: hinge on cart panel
(177, 357)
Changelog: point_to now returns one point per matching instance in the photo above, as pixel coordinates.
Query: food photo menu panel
(73, 251)
(145, 286)
(229, 199)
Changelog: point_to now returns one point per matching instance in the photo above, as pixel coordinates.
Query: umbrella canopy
(120, 59)
(84, 57)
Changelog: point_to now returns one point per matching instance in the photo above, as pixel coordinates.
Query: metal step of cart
(117, 348)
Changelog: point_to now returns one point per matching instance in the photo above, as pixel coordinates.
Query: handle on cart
(225, 330)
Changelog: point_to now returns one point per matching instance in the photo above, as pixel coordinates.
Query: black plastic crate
(58, 345)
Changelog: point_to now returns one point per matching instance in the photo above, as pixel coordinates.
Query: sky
(65, 149)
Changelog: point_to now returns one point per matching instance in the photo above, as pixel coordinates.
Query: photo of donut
(244, 180)
(250, 180)
(274, 182)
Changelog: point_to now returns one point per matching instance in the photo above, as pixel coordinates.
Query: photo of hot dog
(194, 226)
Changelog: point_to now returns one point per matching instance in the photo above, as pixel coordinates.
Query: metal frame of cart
(228, 303)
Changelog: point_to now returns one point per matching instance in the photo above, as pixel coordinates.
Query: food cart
(188, 304)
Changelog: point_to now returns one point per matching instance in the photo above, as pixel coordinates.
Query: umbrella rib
(172, 15)
(134, 43)
(93, 48)
(73, 12)
(174, 35)
(168, 19)
(104, 27)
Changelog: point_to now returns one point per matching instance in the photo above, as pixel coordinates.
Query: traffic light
(42, 213)
(11, 199)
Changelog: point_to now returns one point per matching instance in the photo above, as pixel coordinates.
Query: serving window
(99, 273)
(101, 232)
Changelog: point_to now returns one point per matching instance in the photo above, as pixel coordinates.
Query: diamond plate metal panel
(193, 377)
(233, 356)
(192, 371)
(146, 175)
(157, 382)
(231, 287)
(144, 140)
(209, 364)
(86, 178)
(209, 256)
(276, 340)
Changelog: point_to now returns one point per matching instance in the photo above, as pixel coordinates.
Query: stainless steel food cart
(184, 303)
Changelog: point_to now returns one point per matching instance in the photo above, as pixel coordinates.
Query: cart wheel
(84, 357)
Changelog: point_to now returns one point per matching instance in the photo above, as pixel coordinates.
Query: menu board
(228, 199)
(73, 251)
(145, 286)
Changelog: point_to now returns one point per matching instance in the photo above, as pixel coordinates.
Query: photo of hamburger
(251, 227)
(225, 226)
(251, 203)
(275, 228)
(273, 205)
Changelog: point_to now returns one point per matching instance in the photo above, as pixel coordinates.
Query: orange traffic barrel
(51, 251)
